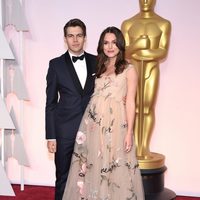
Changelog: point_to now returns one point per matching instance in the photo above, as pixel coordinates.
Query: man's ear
(65, 42)
(64, 38)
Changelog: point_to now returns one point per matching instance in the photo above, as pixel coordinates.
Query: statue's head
(147, 5)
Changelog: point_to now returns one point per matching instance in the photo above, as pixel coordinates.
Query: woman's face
(146, 5)
(110, 48)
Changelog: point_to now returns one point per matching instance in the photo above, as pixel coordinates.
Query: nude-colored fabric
(100, 169)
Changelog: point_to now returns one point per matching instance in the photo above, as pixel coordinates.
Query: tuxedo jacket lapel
(90, 74)
(73, 73)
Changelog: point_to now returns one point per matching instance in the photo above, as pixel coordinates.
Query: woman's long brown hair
(120, 63)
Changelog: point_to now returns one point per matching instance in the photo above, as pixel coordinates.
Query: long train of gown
(100, 168)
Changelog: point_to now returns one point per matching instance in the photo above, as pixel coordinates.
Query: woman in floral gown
(104, 164)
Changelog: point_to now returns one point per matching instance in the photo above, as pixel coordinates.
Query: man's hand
(51, 145)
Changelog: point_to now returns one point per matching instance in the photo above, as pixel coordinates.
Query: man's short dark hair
(73, 23)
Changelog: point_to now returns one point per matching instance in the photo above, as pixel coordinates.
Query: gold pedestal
(153, 161)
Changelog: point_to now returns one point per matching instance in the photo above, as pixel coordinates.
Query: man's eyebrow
(75, 34)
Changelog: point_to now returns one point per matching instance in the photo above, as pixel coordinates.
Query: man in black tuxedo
(70, 83)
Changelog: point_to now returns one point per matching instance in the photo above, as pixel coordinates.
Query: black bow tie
(75, 58)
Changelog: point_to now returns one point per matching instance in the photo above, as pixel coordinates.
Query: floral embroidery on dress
(80, 137)
(101, 169)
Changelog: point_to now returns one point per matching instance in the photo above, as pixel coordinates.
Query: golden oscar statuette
(147, 39)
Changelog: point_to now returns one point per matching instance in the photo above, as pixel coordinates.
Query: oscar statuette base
(153, 182)
(152, 171)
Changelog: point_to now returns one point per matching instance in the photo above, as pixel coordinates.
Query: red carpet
(47, 193)
(31, 193)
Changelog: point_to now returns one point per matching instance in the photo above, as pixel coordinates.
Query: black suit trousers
(65, 148)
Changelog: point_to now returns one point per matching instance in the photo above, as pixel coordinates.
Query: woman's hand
(128, 142)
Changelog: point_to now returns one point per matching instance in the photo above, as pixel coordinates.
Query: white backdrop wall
(177, 130)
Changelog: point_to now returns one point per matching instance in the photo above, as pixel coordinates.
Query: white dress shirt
(81, 69)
